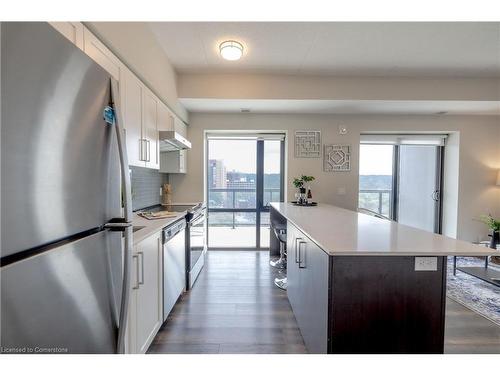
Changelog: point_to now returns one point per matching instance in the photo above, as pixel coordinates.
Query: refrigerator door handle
(127, 259)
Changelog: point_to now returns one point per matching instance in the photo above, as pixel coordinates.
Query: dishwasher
(174, 264)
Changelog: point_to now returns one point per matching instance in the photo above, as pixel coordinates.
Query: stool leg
(281, 262)
(281, 282)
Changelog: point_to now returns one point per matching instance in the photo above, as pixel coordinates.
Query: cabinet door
(149, 300)
(150, 129)
(180, 127)
(313, 276)
(133, 120)
(307, 275)
(102, 55)
(293, 269)
(165, 119)
(98, 52)
(71, 30)
(183, 161)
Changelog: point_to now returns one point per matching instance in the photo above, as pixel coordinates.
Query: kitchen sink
(136, 228)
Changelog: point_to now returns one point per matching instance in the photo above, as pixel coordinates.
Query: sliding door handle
(436, 195)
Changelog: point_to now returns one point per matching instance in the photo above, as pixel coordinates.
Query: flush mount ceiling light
(231, 50)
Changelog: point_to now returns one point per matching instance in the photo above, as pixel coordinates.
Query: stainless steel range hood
(173, 141)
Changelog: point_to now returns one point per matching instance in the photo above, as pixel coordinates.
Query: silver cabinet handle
(141, 149)
(149, 150)
(142, 267)
(136, 257)
(296, 251)
(143, 152)
(300, 257)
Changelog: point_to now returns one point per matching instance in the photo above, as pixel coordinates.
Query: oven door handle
(195, 220)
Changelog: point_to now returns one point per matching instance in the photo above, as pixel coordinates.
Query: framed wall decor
(337, 158)
(308, 144)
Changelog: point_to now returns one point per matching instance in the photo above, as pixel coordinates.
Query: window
(244, 174)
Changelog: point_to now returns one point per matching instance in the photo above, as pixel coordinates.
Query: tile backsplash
(146, 184)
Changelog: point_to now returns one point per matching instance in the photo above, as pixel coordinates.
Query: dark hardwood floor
(235, 308)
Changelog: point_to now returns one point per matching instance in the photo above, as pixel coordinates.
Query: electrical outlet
(341, 191)
(426, 263)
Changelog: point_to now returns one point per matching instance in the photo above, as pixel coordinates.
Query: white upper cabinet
(102, 55)
(71, 30)
(136, 148)
(150, 129)
(143, 113)
(165, 118)
(180, 127)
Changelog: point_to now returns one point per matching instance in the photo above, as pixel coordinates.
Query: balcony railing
(377, 200)
(237, 201)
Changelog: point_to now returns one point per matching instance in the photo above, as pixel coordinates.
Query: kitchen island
(360, 284)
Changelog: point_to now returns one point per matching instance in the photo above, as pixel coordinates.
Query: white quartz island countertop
(343, 232)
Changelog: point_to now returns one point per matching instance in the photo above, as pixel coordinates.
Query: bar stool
(280, 232)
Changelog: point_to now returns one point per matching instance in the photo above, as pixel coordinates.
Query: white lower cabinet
(307, 276)
(146, 302)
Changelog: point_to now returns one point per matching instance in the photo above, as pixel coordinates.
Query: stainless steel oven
(196, 247)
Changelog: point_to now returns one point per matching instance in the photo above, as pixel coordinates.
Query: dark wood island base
(382, 305)
(364, 304)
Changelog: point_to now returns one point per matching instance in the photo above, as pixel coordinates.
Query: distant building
(217, 176)
(238, 180)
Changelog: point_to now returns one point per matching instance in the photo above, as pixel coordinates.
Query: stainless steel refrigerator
(65, 198)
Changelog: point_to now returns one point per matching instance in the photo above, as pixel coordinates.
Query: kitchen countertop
(151, 226)
(343, 232)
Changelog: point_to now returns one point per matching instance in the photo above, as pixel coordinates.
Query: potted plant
(494, 225)
(299, 184)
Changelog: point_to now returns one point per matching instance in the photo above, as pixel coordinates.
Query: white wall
(478, 159)
(137, 47)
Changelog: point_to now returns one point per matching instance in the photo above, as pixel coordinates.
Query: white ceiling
(337, 48)
(378, 107)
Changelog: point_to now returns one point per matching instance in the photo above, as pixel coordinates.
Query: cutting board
(157, 215)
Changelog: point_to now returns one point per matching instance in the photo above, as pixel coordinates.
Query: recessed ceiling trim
(381, 107)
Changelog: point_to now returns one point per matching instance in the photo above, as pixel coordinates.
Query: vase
(495, 239)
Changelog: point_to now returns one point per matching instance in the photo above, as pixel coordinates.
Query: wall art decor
(337, 158)
(307, 144)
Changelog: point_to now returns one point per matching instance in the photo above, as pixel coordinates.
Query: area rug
(472, 292)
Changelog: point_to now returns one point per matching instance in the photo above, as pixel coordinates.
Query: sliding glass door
(400, 179)
(244, 174)
(419, 176)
